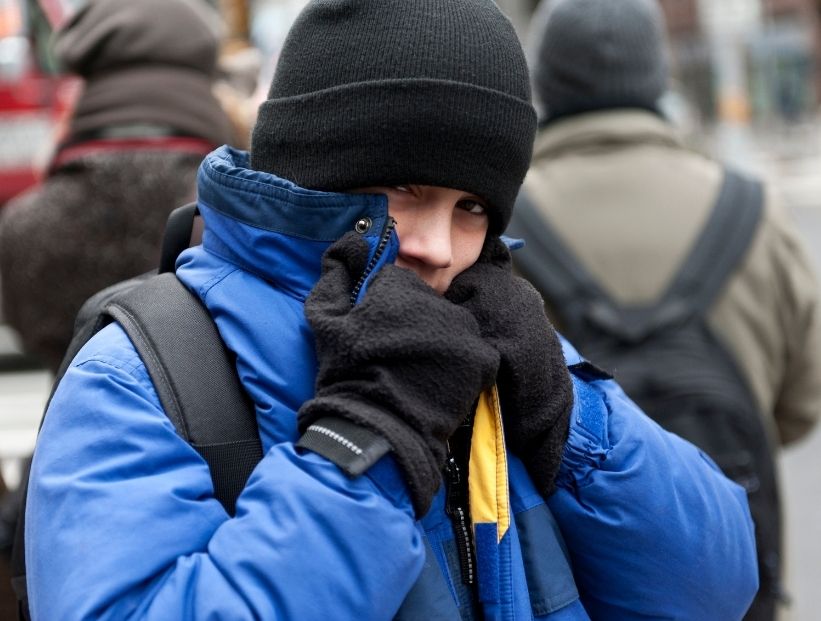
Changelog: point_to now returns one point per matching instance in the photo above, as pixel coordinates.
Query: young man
(353, 265)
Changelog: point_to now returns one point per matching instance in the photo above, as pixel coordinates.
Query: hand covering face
(399, 371)
(534, 384)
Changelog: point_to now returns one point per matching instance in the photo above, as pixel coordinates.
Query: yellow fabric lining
(488, 484)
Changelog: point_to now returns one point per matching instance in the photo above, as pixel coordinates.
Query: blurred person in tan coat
(619, 187)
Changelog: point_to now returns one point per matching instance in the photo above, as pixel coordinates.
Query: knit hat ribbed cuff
(391, 132)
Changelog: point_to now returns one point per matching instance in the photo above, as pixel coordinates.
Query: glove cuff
(338, 427)
(350, 446)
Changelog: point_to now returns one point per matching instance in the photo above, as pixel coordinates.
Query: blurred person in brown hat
(136, 136)
(128, 156)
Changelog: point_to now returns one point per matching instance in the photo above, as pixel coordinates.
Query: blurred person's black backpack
(666, 357)
(192, 371)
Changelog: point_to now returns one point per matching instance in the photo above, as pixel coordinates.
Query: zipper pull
(454, 491)
(453, 472)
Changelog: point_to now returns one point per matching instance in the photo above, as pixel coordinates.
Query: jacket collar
(271, 227)
(596, 129)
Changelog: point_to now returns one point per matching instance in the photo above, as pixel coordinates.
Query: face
(441, 230)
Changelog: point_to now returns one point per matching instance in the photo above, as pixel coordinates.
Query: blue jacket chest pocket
(540, 569)
(548, 574)
(430, 597)
(549, 578)
(547, 571)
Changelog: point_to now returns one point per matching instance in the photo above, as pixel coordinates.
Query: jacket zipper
(390, 224)
(457, 492)
(457, 509)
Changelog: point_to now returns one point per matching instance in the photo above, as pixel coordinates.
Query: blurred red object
(31, 113)
(34, 98)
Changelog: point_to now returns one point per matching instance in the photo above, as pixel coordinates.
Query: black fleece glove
(534, 384)
(399, 371)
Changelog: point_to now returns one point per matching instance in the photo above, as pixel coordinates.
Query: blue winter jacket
(122, 522)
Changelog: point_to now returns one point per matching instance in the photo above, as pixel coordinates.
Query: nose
(425, 242)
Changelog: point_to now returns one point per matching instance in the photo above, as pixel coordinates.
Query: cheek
(407, 220)
(467, 246)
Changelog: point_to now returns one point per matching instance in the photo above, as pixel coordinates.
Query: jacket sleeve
(654, 529)
(121, 522)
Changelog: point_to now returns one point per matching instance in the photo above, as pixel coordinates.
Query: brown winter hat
(145, 62)
(387, 92)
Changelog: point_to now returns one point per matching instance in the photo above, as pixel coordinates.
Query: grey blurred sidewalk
(801, 474)
(790, 160)
(801, 465)
(22, 397)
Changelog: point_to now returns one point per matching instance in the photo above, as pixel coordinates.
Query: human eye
(473, 206)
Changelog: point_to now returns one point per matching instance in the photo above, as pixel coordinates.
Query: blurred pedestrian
(144, 121)
(142, 124)
(354, 268)
(622, 193)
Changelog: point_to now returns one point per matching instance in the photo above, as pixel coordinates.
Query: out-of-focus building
(746, 75)
(769, 49)
(778, 46)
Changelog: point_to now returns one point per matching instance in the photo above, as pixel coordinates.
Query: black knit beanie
(388, 92)
(589, 55)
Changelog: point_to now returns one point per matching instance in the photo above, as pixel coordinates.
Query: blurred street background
(747, 91)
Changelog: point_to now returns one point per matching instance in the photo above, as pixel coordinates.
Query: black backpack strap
(724, 240)
(178, 230)
(576, 297)
(195, 378)
(193, 373)
(550, 265)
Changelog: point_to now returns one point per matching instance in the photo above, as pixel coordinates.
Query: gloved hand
(399, 371)
(535, 388)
